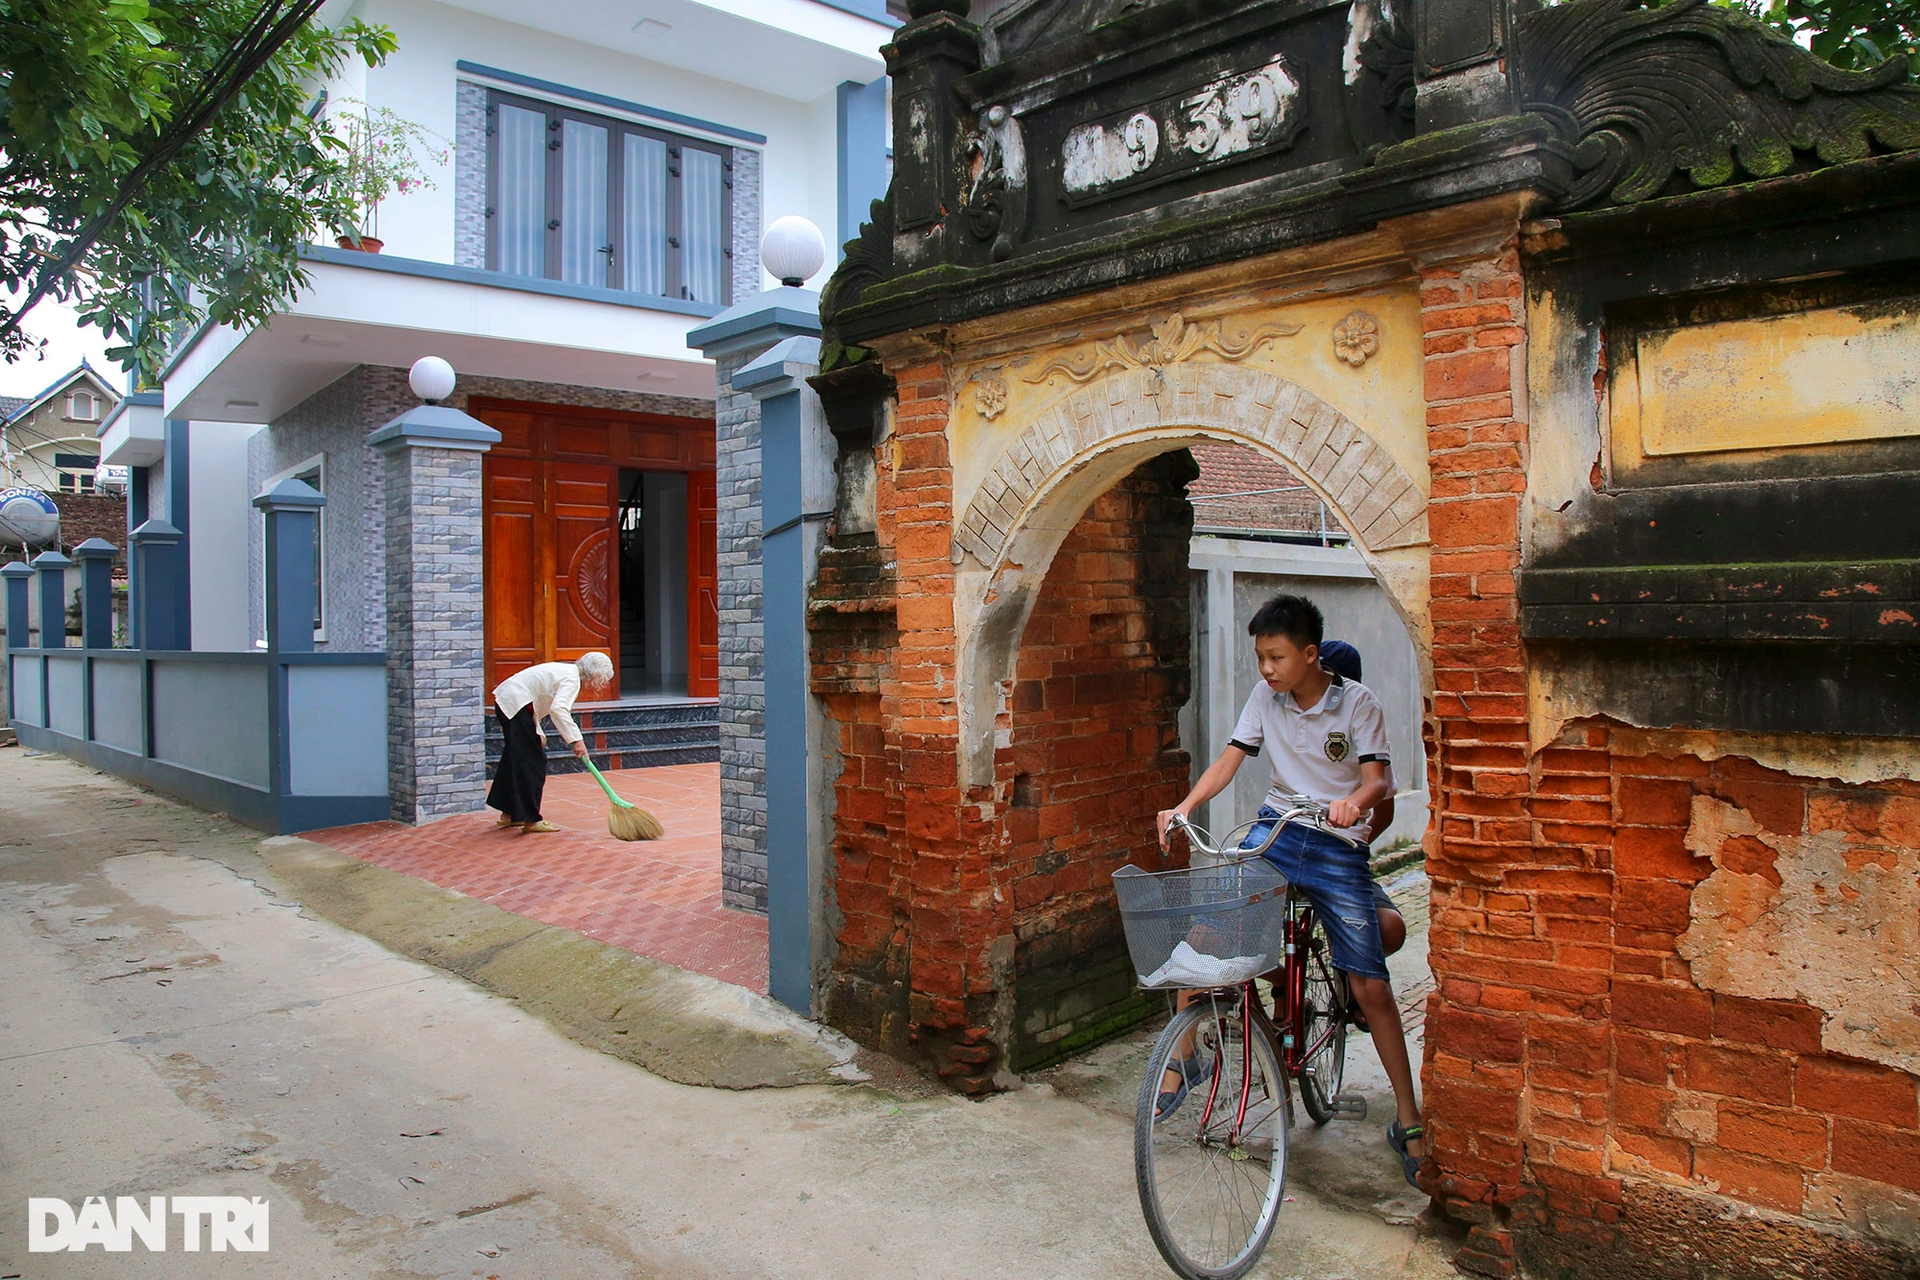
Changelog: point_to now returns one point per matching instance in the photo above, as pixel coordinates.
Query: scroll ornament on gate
(996, 202)
(1173, 340)
(1643, 94)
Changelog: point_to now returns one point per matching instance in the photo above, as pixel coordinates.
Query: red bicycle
(1212, 1165)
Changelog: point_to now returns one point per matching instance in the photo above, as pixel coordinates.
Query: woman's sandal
(1398, 1138)
(1192, 1072)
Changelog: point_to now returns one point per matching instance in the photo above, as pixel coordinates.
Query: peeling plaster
(1839, 932)
(1563, 694)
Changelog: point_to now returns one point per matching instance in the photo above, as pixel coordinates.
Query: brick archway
(1090, 438)
(1383, 505)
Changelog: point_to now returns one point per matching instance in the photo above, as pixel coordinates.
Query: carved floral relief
(1356, 337)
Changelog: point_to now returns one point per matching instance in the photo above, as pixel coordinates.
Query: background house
(596, 185)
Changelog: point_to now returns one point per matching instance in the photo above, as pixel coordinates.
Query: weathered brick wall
(1617, 1063)
(93, 515)
(925, 938)
(1478, 1078)
(1094, 752)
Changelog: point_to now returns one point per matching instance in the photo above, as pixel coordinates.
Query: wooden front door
(703, 587)
(550, 505)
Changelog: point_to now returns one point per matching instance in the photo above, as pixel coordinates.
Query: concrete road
(173, 1023)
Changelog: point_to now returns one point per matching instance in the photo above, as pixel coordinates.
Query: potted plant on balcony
(384, 156)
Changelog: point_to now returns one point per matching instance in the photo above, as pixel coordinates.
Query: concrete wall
(219, 465)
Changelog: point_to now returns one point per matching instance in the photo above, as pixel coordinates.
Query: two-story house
(47, 441)
(608, 171)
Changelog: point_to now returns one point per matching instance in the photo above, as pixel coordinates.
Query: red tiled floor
(658, 898)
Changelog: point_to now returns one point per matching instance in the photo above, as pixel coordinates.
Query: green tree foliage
(88, 88)
(1854, 34)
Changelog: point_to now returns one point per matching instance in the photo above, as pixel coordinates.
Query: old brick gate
(1627, 442)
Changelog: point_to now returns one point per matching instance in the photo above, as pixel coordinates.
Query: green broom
(625, 821)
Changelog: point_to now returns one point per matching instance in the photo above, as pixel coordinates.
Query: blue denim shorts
(1336, 878)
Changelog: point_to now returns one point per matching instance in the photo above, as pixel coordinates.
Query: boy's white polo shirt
(1316, 752)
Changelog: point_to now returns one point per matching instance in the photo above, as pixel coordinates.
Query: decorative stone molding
(989, 394)
(1173, 341)
(1356, 338)
(996, 201)
(1377, 499)
(1644, 93)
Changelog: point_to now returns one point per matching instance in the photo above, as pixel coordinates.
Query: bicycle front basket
(1203, 926)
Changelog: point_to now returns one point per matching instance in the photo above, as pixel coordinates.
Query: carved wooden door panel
(583, 604)
(514, 625)
(703, 587)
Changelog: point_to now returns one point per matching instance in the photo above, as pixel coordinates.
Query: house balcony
(362, 308)
(796, 49)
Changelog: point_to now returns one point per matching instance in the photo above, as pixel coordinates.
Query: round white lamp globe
(431, 379)
(793, 249)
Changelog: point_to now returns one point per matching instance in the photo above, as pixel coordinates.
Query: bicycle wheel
(1210, 1179)
(1323, 1066)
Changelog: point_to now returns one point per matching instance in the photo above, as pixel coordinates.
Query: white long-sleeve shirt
(550, 688)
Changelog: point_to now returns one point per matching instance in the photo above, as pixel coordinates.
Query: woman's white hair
(595, 668)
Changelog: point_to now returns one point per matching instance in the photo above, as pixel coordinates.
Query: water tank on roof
(28, 516)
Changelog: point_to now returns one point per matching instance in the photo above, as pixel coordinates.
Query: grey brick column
(732, 339)
(436, 756)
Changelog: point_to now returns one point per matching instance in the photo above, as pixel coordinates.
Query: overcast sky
(67, 343)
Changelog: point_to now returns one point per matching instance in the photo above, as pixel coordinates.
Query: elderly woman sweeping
(550, 690)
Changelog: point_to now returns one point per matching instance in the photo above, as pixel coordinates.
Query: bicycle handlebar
(1299, 808)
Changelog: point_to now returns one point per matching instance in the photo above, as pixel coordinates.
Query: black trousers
(522, 774)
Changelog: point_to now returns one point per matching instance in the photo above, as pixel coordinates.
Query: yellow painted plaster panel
(1385, 396)
(1812, 377)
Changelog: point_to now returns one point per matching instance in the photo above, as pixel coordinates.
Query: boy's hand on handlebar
(1165, 819)
(1344, 813)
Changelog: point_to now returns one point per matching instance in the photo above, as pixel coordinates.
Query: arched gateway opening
(1081, 651)
(1010, 715)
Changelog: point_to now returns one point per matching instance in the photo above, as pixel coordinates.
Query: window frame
(73, 406)
(77, 468)
(557, 114)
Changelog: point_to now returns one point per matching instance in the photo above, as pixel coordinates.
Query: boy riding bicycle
(1326, 738)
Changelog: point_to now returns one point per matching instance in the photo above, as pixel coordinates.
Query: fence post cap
(290, 495)
(51, 560)
(15, 569)
(157, 530)
(96, 549)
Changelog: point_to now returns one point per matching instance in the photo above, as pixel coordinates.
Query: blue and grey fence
(284, 739)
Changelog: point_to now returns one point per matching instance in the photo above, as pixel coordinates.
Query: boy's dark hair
(1295, 617)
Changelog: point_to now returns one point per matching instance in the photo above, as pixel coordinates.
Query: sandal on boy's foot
(1192, 1072)
(1398, 1138)
(533, 828)
(504, 823)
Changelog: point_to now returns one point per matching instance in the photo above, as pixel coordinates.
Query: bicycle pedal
(1349, 1106)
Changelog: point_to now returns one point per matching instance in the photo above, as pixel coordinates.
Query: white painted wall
(418, 83)
(217, 535)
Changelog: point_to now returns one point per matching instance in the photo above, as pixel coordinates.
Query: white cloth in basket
(1189, 968)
